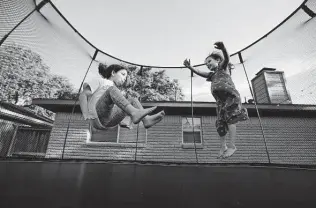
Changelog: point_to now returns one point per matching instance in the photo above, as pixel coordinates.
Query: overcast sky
(165, 32)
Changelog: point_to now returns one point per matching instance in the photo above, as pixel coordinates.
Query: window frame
(89, 137)
(114, 144)
(193, 144)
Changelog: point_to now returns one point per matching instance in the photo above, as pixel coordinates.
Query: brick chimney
(269, 87)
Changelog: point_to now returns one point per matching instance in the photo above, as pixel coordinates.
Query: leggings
(111, 105)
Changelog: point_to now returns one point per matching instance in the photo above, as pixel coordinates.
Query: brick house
(289, 131)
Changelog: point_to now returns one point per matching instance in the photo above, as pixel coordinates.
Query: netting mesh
(290, 49)
(46, 61)
(7, 132)
(9, 11)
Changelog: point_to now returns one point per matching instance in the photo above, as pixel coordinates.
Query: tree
(23, 71)
(24, 76)
(152, 85)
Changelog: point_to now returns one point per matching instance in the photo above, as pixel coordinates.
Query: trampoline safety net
(45, 62)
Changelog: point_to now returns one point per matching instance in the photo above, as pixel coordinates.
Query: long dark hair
(106, 71)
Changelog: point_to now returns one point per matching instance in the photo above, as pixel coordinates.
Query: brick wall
(289, 141)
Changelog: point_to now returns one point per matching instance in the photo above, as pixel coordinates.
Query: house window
(190, 134)
(137, 134)
(109, 135)
(120, 135)
(30, 142)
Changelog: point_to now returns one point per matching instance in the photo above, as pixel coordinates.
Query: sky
(165, 32)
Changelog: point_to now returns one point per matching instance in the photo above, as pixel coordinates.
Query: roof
(265, 69)
(199, 108)
(21, 115)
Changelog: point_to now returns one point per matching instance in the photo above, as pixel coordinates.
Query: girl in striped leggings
(105, 106)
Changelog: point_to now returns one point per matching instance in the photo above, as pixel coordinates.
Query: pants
(111, 105)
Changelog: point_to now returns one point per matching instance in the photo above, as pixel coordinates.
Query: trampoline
(50, 158)
(88, 184)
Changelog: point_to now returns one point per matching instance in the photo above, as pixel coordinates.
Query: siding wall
(289, 141)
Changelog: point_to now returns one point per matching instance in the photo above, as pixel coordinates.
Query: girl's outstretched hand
(219, 45)
(187, 63)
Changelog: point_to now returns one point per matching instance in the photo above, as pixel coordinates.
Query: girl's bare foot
(230, 151)
(149, 121)
(139, 114)
(222, 152)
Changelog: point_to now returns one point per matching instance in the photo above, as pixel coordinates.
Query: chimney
(270, 88)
